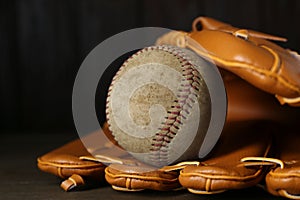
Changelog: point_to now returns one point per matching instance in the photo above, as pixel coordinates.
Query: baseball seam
(181, 108)
(189, 88)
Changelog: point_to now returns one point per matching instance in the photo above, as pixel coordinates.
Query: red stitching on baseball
(178, 111)
(189, 89)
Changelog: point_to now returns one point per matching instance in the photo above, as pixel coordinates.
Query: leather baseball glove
(249, 54)
(72, 162)
(254, 69)
(284, 178)
(248, 133)
(253, 57)
(244, 152)
(83, 168)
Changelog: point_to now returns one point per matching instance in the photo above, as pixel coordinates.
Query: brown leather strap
(212, 24)
(72, 182)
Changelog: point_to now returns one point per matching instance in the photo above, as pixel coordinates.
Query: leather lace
(256, 161)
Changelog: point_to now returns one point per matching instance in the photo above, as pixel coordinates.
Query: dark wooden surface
(20, 178)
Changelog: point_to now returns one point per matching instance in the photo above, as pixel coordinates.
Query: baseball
(159, 106)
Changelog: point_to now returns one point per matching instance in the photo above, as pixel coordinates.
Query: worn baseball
(166, 104)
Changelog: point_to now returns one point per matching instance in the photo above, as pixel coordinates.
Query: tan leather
(284, 180)
(75, 164)
(245, 135)
(73, 181)
(139, 177)
(224, 170)
(253, 57)
(246, 102)
(66, 163)
(246, 53)
(252, 118)
(260, 66)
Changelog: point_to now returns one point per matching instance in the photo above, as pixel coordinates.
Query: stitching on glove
(64, 165)
(179, 166)
(242, 33)
(193, 45)
(102, 159)
(288, 195)
(228, 177)
(125, 189)
(137, 176)
(205, 192)
(211, 24)
(264, 161)
(290, 101)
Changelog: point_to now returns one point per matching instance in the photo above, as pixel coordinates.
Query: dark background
(43, 42)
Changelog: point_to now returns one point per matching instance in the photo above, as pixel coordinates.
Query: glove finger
(139, 177)
(224, 170)
(283, 180)
(246, 53)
